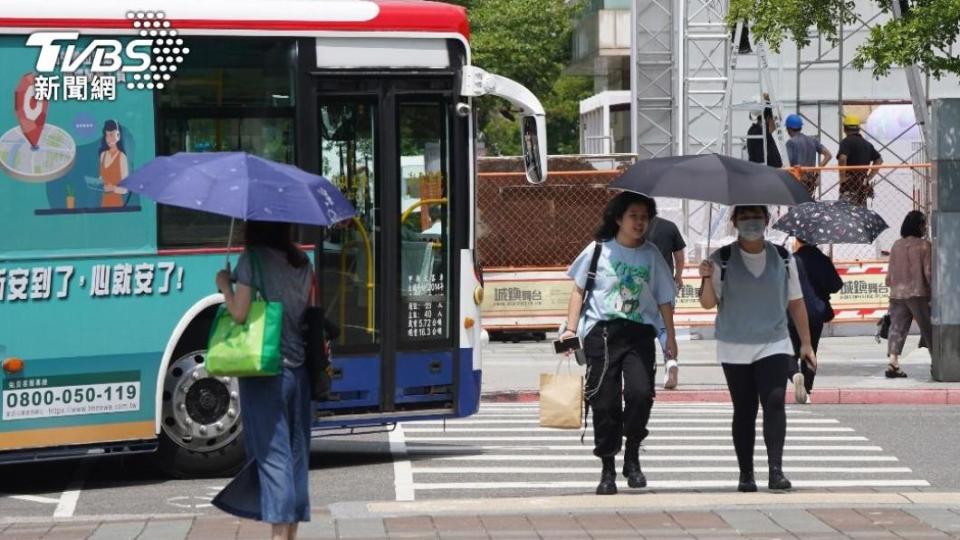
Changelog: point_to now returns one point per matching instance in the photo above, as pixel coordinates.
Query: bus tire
(201, 432)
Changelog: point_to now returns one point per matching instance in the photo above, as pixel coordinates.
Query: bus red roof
(244, 15)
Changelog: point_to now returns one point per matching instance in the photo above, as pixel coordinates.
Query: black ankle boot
(633, 474)
(747, 483)
(777, 480)
(631, 466)
(608, 477)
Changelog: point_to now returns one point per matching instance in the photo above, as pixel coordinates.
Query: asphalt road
(501, 453)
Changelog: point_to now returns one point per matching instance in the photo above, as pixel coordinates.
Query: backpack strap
(725, 258)
(591, 276)
(785, 255)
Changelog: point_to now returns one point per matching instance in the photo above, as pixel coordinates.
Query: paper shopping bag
(561, 400)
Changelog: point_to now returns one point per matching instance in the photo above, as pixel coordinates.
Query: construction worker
(856, 186)
(802, 151)
(760, 131)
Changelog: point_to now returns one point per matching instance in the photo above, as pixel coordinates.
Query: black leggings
(796, 363)
(631, 365)
(762, 382)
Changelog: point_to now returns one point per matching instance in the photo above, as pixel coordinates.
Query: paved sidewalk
(850, 372)
(781, 521)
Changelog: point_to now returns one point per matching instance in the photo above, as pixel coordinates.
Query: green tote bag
(251, 349)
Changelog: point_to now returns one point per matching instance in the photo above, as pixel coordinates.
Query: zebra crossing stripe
(535, 419)
(402, 471)
(657, 429)
(416, 447)
(681, 458)
(690, 444)
(650, 438)
(593, 470)
(661, 484)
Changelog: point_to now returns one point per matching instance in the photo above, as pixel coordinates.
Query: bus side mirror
(533, 130)
(533, 125)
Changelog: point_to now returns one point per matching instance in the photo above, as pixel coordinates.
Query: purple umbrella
(242, 186)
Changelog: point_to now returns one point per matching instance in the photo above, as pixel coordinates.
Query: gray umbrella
(832, 222)
(712, 178)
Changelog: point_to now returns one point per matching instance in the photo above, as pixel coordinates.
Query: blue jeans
(274, 484)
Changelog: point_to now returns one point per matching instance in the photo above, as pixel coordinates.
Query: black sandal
(894, 372)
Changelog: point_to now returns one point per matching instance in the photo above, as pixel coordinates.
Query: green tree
(925, 35)
(528, 41)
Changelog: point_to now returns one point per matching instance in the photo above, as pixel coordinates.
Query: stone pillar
(945, 155)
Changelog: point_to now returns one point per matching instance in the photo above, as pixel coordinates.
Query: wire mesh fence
(523, 225)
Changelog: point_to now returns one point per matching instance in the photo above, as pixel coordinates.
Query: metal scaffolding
(824, 65)
(652, 74)
(705, 47)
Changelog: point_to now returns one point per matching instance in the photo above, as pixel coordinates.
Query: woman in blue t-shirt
(632, 298)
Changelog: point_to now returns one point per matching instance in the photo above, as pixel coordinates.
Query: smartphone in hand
(571, 343)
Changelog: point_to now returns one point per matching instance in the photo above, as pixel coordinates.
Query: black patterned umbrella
(832, 222)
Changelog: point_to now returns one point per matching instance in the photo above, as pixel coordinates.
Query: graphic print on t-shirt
(624, 301)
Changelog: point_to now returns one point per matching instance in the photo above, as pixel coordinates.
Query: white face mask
(751, 229)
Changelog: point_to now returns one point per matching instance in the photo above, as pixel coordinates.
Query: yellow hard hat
(851, 120)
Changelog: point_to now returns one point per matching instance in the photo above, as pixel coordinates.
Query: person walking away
(665, 235)
(802, 151)
(756, 136)
(908, 276)
(818, 280)
(753, 284)
(632, 296)
(273, 486)
(856, 186)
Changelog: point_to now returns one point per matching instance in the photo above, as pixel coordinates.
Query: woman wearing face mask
(753, 291)
(632, 294)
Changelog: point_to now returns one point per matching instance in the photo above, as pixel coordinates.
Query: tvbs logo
(144, 62)
(59, 52)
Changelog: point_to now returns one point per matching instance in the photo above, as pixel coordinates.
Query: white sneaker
(809, 400)
(799, 390)
(670, 375)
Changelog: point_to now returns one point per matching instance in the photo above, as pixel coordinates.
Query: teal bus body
(98, 313)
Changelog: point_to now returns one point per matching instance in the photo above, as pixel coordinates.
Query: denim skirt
(273, 485)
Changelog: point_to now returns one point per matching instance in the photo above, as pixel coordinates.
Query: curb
(821, 396)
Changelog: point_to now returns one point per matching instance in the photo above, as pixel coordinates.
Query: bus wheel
(200, 421)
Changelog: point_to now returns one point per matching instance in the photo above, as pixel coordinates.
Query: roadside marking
(592, 470)
(402, 471)
(67, 504)
(666, 484)
(190, 502)
(196, 502)
(36, 499)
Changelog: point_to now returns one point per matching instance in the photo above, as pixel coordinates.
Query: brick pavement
(814, 523)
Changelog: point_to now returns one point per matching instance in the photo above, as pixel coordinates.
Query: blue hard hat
(794, 122)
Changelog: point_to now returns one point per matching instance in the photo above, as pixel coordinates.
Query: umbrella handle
(709, 226)
(229, 244)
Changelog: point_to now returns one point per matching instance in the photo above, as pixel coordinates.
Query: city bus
(106, 298)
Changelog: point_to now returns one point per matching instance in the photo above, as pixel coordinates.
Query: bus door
(388, 275)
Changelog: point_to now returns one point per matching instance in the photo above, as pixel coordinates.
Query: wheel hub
(200, 412)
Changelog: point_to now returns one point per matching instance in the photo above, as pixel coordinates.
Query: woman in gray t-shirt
(276, 409)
